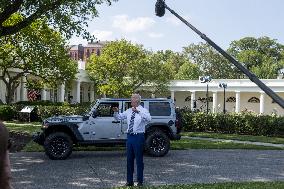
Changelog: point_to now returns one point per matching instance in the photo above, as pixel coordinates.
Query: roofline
(143, 99)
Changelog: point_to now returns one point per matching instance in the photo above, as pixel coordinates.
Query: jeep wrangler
(98, 127)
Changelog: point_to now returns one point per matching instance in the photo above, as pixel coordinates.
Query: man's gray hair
(136, 97)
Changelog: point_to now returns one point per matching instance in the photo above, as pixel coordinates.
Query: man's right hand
(115, 109)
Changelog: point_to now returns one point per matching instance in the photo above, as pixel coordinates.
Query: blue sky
(221, 20)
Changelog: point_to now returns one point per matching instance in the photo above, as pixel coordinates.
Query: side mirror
(95, 114)
(86, 117)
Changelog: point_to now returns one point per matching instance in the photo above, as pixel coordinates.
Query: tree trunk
(10, 93)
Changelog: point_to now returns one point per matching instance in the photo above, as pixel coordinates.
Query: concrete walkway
(235, 141)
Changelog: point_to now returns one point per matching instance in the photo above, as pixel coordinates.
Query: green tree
(174, 60)
(210, 62)
(123, 67)
(188, 71)
(68, 16)
(262, 56)
(37, 51)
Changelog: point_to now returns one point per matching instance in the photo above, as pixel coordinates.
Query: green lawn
(245, 185)
(24, 128)
(275, 140)
(184, 144)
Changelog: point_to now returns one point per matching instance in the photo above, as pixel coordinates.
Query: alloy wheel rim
(58, 146)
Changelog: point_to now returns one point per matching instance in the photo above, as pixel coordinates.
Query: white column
(262, 102)
(192, 100)
(238, 101)
(92, 93)
(24, 93)
(152, 95)
(77, 98)
(62, 92)
(214, 102)
(18, 97)
(173, 95)
(43, 93)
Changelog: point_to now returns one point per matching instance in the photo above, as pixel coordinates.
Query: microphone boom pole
(162, 5)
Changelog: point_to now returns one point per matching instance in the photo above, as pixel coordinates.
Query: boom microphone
(160, 8)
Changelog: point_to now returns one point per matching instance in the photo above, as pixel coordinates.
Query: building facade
(240, 94)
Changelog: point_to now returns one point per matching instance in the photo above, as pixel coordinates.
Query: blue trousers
(135, 148)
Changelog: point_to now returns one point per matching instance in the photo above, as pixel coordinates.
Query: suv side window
(105, 109)
(159, 108)
(127, 105)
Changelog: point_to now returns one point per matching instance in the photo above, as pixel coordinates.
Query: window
(98, 52)
(105, 109)
(159, 108)
(254, 100)
(127, 105)
(88, 53)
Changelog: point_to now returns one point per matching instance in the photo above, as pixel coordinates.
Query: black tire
(157, 143)
(58, 146)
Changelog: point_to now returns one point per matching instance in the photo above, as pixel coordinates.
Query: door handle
(115, 121)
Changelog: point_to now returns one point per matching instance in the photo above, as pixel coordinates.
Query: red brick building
(83, 53)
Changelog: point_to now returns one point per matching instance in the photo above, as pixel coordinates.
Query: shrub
(234, 123)
(7, 113)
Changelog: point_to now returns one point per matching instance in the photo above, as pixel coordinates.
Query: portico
(240, 94)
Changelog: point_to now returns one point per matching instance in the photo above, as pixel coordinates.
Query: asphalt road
(108, 169)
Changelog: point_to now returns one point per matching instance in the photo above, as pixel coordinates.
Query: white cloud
(155, 35)
(103, 35)
(126, 24)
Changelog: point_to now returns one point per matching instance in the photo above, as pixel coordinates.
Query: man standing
(137, 118)
(5, 169)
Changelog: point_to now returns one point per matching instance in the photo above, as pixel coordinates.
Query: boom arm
(250, 75)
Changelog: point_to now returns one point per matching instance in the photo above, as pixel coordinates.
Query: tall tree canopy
(210, 62)
(36, 50)
(123, 67)
(68, 16)
(263, 56)
(188, 71)
(172, 59)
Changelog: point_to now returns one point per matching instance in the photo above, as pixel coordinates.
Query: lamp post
(206, 79)
(224, 86)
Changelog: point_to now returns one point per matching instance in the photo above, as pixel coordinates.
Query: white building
(240, 94)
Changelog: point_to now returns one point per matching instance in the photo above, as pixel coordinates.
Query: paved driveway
(108, 169)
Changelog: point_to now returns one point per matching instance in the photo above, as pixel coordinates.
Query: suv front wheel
(157, 143)
(58, 146)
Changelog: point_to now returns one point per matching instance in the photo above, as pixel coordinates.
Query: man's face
(134, 102)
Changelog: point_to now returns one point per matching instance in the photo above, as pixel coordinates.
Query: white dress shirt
(142, 118)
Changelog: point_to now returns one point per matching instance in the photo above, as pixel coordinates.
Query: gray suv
(99, 128)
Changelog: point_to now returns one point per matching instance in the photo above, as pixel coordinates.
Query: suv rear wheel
(58, 146)
(157, 143)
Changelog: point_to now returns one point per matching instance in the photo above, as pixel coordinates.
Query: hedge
(233, 123)
(43, 109)
(7, 112)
